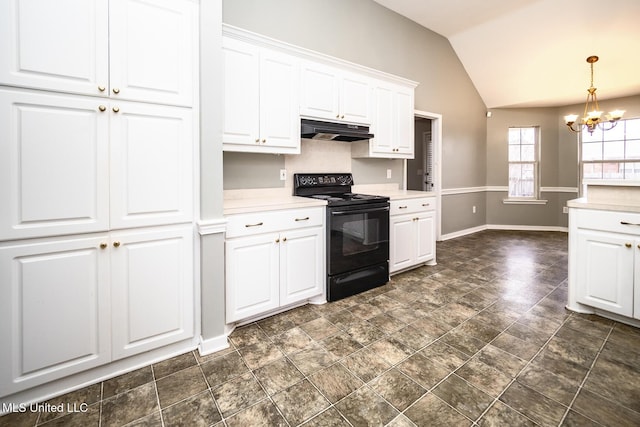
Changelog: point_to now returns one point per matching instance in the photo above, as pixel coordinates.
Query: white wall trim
(436, 138)
(527, 227)
(559, 189)
(503, 188)
(464, 232)
(212, 227)
(473, 230)
(463, 190)
(211, 345)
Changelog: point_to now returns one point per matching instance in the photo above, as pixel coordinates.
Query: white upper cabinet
(392, 123)
(55, 45)
(74, 164)
(151, 164)
(54, 164)
(333, 94)
(260, 99)
(129, 49)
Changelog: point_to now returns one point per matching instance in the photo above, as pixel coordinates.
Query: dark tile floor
(480, 339)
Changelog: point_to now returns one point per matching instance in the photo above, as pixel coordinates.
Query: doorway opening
(423, 172)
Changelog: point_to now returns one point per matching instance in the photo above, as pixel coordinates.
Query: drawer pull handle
(426, 204)
(628, 245)
(254, 225)
(402, 207)
(303, 219)
(628, 223)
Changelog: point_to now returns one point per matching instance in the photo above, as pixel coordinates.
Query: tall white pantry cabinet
(97, 151)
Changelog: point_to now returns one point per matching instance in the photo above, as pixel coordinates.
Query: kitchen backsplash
(249, 170)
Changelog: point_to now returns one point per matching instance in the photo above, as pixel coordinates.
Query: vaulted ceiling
(532, 53)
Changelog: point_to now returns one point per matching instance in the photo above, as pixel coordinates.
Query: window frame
(603, 161)
(535, 198)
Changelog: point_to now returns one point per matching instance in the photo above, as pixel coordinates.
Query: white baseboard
(211, 345)
(479, 228)
(464, 232)
(527, 227)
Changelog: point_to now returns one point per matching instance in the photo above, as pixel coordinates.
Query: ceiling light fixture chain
(592, 116)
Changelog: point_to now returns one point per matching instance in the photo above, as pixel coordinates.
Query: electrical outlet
(473, 209)
(388, 173)
(283, 174)
(565, 209)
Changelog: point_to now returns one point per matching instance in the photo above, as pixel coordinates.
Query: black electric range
(357, 239)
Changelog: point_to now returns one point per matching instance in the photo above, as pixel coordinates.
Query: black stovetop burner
(334, 188)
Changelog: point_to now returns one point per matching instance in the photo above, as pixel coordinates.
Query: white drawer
(398, 207)
(273, 221)
(618, 222)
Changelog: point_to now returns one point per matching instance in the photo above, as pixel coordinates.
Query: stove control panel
(322, 180)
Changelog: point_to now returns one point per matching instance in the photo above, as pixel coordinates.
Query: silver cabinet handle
(628, 223)
(254, 225)
(302, 219)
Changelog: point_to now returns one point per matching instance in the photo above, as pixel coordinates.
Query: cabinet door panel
(605, 271)
(279, 86)
(301, 265)
(425, 227)
(355, 99)
(152, 290)
(383, 126)
(405, 122)
(53, 311)
(402, 243)
(319, 92)
(152, 46)
(151, 164)
(241, 114)
(252, 276)
(53, 165)
(55, 45)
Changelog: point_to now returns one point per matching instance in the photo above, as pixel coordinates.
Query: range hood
(328, 131)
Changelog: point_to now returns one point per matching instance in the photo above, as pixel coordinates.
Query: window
(612, 154)
(523, 162)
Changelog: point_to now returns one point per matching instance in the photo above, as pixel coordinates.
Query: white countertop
(582, 203)
(269, 199)
(391, 191)
(265, 199)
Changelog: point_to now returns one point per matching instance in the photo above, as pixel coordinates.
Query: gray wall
(549, 165)
(363, 32)
(558, 163)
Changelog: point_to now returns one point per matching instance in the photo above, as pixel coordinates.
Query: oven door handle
(363, 210)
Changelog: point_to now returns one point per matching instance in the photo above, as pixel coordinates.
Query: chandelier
(592, 116)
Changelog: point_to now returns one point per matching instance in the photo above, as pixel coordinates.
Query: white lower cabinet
(273, 259)
(72, 304)
(604, 261)
(54, 311)
(152, 295)
(606, 270)
(411, 233)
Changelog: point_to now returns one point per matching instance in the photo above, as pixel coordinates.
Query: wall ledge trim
(502, 188)
(212, 226)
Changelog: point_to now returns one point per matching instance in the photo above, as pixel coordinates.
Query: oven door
(357, 236)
